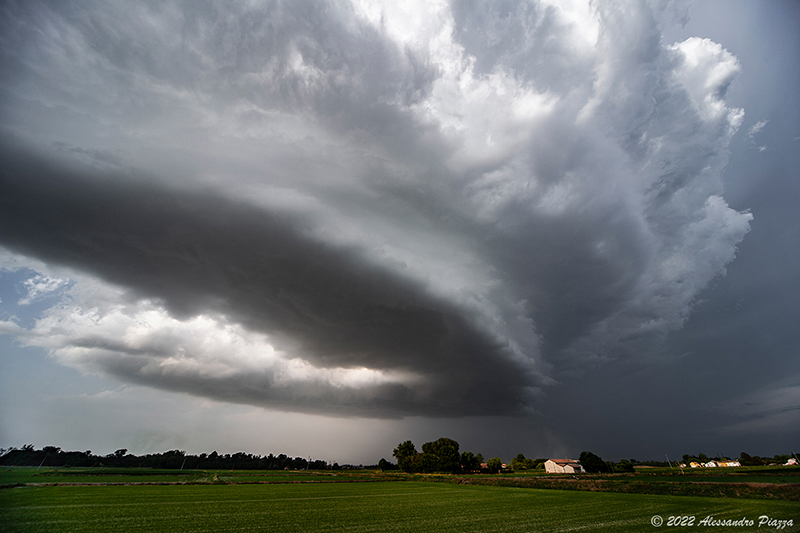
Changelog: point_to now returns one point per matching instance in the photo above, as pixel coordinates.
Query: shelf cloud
(357, 209)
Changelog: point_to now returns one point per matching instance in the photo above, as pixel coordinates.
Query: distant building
(563, 466)
(791, 462)
(714, 464)
(484, 469)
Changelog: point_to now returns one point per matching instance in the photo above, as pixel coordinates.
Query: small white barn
(563, 466)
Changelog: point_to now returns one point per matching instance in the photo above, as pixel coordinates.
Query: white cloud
(96, 327)
(756, 128)
(40, 286)
(707, 71)
(9, 327)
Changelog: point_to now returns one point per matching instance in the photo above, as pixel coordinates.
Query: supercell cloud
(437, 209)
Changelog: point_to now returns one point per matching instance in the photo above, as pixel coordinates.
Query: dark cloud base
(199, 252)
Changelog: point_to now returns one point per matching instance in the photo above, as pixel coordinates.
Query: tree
(383, 464)
(298, 463)
(592, 463)
(494, 464)
(405, 453)
(520, 462)
(429, 463)
(438, 445)
(469, 462)
(449, 460)
(624, 466)
(747, 460)
(441, 455)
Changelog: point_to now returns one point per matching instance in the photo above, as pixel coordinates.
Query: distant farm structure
(563, 466)
(713, 464)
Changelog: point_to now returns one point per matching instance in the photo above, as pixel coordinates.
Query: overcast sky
(322, 228)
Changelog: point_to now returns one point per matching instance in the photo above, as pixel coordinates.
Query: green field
(745, 474)
(88, 476)
(377, 506)
(95, 475)
(65, 475)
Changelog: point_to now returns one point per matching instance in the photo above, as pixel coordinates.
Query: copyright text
(710, 521)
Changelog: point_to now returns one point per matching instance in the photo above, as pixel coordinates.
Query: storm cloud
(192, 254)
(357, 209)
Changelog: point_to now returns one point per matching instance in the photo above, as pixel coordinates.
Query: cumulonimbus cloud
(359, 209)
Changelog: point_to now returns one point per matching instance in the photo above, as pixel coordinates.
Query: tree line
(441, 455)
(744, 459)
(591, 463)
(444, 455)
(173, 459)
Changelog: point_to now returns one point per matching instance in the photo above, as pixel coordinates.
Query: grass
(632, 485)
(763, 483)
(50, 476)
(357, 507)
(758, 474)
(779, 483)
(95, 475)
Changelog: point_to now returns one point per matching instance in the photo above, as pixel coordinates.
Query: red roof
(563, 462)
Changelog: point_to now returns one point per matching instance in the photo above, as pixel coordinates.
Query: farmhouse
(562, 466)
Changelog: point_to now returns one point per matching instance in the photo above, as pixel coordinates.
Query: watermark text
(762, 521)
